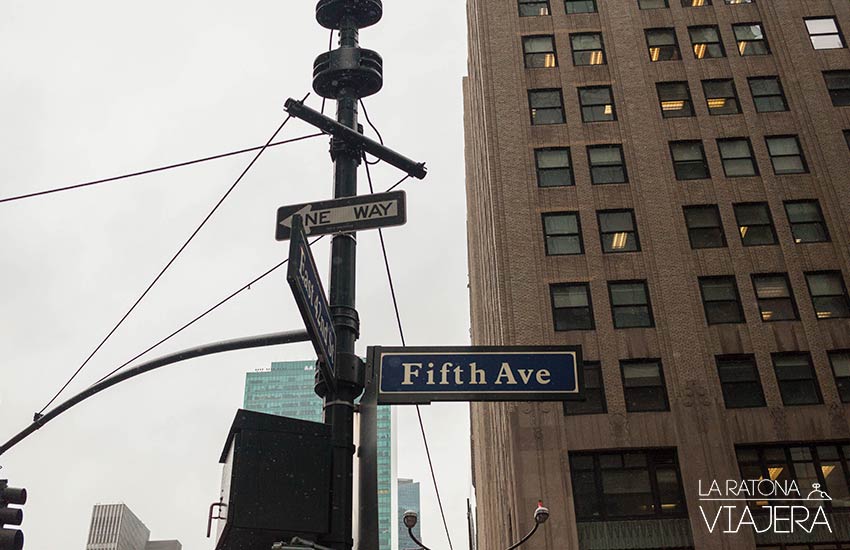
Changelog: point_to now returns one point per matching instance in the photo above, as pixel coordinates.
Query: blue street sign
(303, 279)
(478, 373)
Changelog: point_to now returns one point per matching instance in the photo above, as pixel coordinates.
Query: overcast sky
(93, 89)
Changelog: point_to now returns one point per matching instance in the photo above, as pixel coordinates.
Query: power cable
(154, 170)
(381, 139)
(401, 335)
(164, 269)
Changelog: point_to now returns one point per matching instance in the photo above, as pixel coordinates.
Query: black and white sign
(342, 215)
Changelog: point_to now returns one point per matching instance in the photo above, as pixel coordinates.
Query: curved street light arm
(263, 340)
(525, 538)
(417, 541)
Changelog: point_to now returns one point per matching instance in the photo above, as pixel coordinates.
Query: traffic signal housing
(11, 539)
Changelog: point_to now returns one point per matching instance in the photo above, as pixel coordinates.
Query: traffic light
(11, 539)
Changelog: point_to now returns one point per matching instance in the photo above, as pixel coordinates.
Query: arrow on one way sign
(344, 215)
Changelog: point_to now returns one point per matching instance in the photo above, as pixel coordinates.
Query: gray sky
(94, 89)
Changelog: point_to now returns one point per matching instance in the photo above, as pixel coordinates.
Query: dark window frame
(664, 7)
(526, 54)
(532, 108)
(813, 378)
(733, 96)
(794, 224)
(521, 3)
(770, 223)
(725, 360)
(553, 287)
(800, 154)
(842, 383)
(780, 95)
(602, 401)
(679, 165)
(676, 52)
(742, 318)
(842, 95)
(639, 361)
(836, 273)
(687, 101)
(719, 226)
(577, 234)
(593, 106)
(690, 3)
(568, 12)
(737, 2)
(647, 305)
(601, 49)
(763, 40)
(752, 157)
(634, 229)
(591, 166)
(569, 167)
(718, 44)
(793, 301)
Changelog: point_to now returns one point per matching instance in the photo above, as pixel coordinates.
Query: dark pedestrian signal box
(276, 481)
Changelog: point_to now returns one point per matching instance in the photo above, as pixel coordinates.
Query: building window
(580, 6)
(636, 484)
(630, 305)
(767, 93)
(554, 167)
(533, 7)
(846, 137)
(739, 381)
(721, 97)
(838, 84)
(840, 361)
(750, 38)
(824, 33)
(829, 295)
(617, 231)
(662, 45)
(706, 42)
(774, 297)
(571, 306)
(675, 99)
(606, 164)
(594, 392)
(562, 231)
(547, 107)
(805, 465)
(721, 300)
(695, 3)
(588, 48)
(806, 220)
(652, 4)
(643, 385)
(539, 51)
(798, 383)
(786, 155)
(597, 104)
(705, 230)
(731, 2)
(755, 223)
(689, 160)
(736, 154)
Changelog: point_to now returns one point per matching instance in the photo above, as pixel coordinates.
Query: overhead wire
(167, 265)
(155, 170)
(369, 121)
(401, 335)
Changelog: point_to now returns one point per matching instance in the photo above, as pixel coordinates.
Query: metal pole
(367, 452)
(339, 406)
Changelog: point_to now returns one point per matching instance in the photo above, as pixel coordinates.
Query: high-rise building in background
(665, 183)
(116, 527)
(408, 499)
(286, 389)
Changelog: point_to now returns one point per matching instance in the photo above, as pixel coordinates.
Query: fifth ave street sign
(343, 215)
(303, 279)
(418, 375)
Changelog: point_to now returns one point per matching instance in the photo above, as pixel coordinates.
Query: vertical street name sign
(342, 215)
(420, 375)
(303, 279)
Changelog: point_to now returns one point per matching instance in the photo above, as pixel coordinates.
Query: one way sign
(342, 215)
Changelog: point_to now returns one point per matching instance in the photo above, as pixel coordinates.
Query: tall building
(116, 527)
(663, 182)
(286, 389)
(408, 499)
